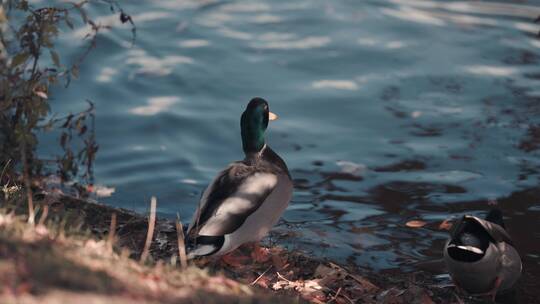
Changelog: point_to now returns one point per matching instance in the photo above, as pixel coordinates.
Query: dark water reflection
(390, 111)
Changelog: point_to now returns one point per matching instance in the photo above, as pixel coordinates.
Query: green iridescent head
(253, 124)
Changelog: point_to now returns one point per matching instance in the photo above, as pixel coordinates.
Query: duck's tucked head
(253, 124)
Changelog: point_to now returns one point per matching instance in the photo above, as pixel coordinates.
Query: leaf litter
(292, 274)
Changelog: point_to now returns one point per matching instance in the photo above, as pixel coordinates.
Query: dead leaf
(279, 285)
(263, 282)
(234, 260)
(329, 274)
(312, 291)
(24, 288)
(260, 254)
(417, 295)
(41, 94)
(279, 262)
(311, 285)
(446, 225)
(415, 224)
(41, 230)
(90, 188)
(322, 271)
(365, 284)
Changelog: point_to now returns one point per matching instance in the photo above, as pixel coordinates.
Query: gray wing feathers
(236, 193)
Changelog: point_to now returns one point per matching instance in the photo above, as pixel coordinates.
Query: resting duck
(480, 255)
(247, 198)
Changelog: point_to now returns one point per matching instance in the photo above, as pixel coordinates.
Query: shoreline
(289, 275)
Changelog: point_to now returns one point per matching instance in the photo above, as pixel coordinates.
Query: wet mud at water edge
(390, 111)
(382, 241)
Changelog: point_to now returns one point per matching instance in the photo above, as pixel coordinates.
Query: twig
(335, 296)
(348, 299)
(88, 111)
(31, 216)
(337, 293)
(282, 277)
(151, 224)
(262, 274)
(43, 215)
(181, 242)
(4, 170)
(112, 231)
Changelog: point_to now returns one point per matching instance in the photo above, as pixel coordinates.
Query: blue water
(390, 110)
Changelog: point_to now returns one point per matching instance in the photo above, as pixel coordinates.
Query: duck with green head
(247, 198)
(481, 257)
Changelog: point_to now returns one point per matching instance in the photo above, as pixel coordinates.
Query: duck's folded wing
(233, 196)
(497, 232)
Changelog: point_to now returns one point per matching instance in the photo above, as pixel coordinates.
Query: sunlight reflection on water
(389, 111)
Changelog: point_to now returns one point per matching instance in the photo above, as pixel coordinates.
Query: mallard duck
(247, 198)
(480, 255)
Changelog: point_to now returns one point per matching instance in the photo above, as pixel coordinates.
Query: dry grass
(53, 262)
(90, 253)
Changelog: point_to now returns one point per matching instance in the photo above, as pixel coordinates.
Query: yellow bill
(272, 116)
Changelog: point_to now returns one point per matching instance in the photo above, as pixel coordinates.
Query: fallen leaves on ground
(415, 224)
(446, 225)
(293, 273)
(315, 282)
(411, 295)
